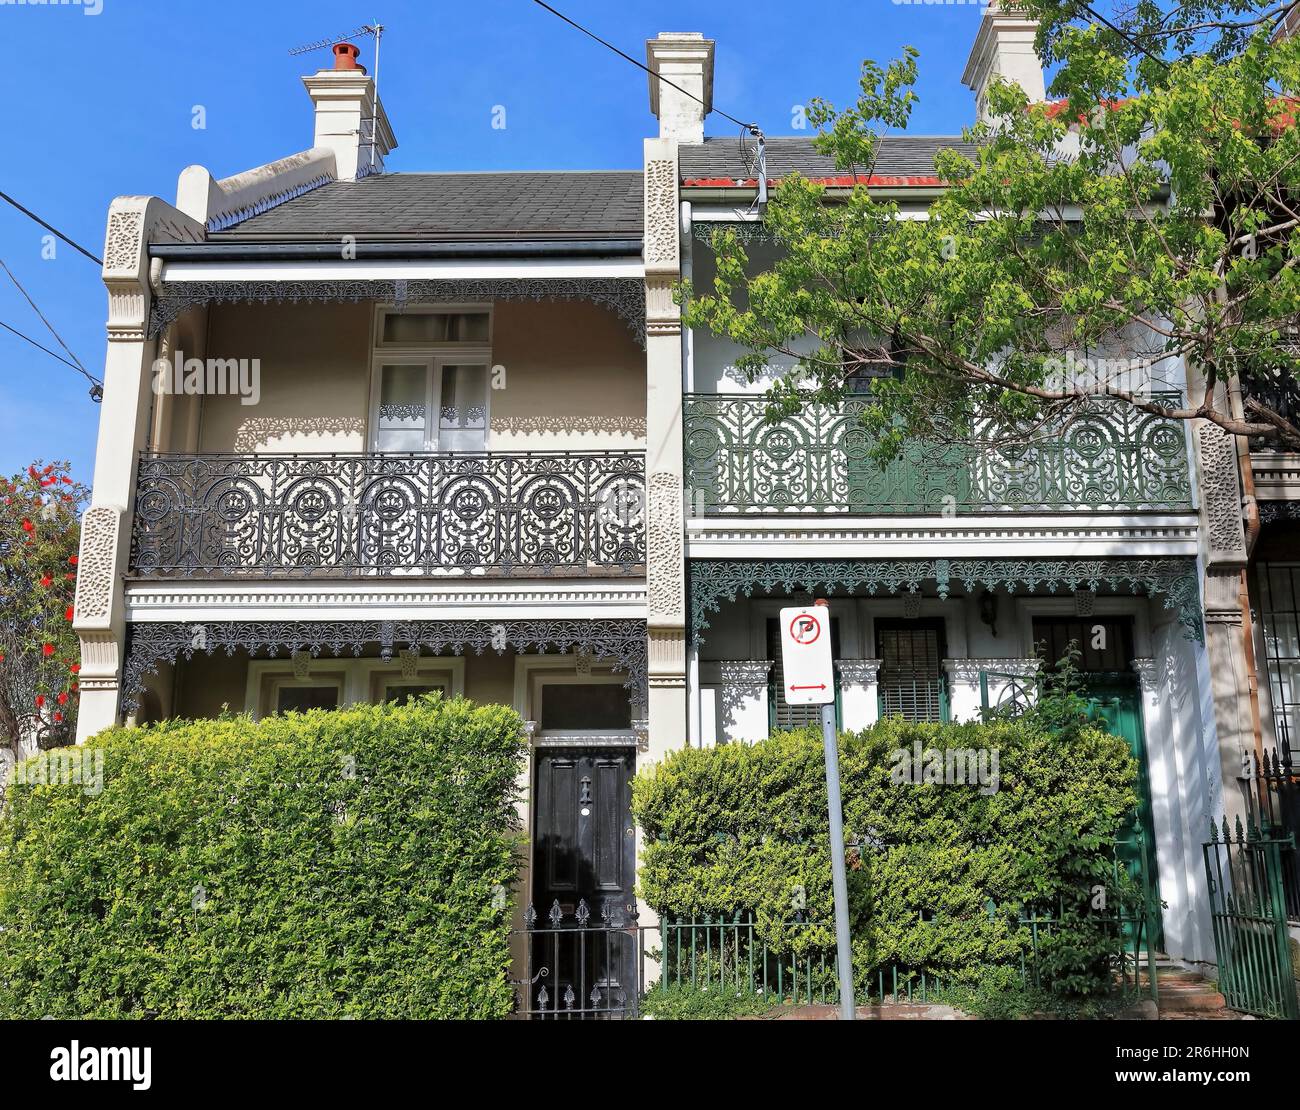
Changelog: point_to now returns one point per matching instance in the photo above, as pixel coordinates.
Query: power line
(752, 128)
(96, 386)
(49, 227)
(96, 390)
(39, 346)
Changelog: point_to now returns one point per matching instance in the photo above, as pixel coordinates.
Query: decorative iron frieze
(713, 581)
(298, 516)
(1276, 512)
(619, 643)
(1108, 456)
(624, 296)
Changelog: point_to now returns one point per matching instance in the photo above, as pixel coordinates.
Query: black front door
(584, 948)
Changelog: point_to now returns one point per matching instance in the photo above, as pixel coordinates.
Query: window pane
(462, 416)
(468, 327)
(402, 415)
(303, 698)
(415, 327)
(570, 707)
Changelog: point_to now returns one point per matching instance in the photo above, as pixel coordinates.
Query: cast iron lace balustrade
(1110, 456)
(530, 513)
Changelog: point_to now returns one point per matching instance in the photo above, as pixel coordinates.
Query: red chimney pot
(346, 55)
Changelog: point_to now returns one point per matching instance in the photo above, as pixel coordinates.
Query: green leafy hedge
(327, 864)
(743, 828)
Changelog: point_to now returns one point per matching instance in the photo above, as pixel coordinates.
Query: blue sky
(98, 106)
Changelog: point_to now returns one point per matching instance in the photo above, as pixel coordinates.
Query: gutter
(331, 251)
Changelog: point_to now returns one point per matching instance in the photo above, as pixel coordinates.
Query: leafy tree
(39, 655)
(1145, 218)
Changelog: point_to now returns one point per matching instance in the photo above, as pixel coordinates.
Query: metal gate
(581, 966)
(1248, 909)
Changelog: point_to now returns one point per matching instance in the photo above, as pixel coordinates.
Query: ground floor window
(1279, 614)
(1104, 643)
(911, 683)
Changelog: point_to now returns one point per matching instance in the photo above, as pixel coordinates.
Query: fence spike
(556, 915)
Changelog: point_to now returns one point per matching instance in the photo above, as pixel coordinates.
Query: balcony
(1109, 458)
(563, 513)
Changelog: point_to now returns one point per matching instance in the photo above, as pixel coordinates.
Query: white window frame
(542, 678)
(433, 357)
(352, 678)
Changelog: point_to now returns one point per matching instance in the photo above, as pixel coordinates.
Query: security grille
(1279, 611)
(911, 672)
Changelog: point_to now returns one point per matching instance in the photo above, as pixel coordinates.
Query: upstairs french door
(430, 403)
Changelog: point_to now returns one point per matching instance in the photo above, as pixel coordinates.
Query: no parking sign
(806, 663)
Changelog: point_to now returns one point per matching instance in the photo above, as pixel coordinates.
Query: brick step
(1187, 995)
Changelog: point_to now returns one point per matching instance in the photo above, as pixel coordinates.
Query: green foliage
(1146, 215)
(684, 1002)
(39, 653)
(743, 828)
(321, 865)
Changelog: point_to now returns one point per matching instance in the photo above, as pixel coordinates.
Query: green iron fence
(1243, 871)
(1108, 456)
(794, 961)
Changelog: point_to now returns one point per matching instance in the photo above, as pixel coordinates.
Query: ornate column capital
(133, 223)
(745, 673)
(968, 670)
(858, 672)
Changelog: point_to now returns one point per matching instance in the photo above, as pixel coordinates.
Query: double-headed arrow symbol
(819, 686)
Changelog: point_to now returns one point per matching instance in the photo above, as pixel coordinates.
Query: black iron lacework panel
(347, 515)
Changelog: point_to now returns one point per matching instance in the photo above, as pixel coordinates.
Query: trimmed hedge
(743, 828)
(321, 865)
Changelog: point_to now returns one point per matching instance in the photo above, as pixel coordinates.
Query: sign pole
(839, 875)
(808, 673)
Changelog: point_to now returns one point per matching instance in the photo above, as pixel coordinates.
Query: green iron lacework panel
(714, 582)
(1109, 457)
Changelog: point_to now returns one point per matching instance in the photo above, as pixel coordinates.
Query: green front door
(1114, 700)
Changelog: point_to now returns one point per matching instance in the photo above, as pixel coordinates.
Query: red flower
(40, 700)
(46, 580)
(28, 526)
(72, 559)
(69, 577)
(63, 699)
(67, 613)
(66, 480)
(47, 650)
(75, 668)
(58, 716)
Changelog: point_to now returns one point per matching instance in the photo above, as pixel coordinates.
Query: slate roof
(458, 207)
(897, 156)
(551, 205)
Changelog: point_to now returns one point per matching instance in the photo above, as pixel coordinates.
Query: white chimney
(348, 113)
(686, 59)
(1004, 47)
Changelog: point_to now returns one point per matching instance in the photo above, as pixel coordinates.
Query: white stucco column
(740, 699)
(859, 703)
(99, 616)
(1223, 548)
(666, 717)
(965, 698)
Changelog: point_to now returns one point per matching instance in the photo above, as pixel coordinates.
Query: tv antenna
(377, 30)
